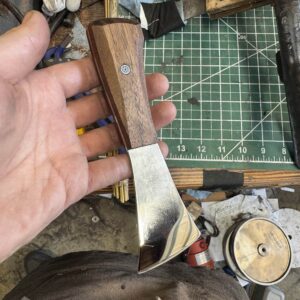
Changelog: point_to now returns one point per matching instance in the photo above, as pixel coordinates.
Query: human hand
(43, 163)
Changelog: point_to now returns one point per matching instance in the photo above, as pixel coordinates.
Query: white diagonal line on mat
(262, 120)
(249, 43)
(219, 72)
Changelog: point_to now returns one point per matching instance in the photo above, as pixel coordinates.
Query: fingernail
(28, 16)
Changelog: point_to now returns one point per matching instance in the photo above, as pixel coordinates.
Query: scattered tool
(194, 210)
(56, 53)
(57, 20)
(165, 227)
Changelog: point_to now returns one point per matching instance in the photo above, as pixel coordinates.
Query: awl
(164, 225)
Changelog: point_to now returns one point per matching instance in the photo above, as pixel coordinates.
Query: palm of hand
(44, 152)
(44, 166)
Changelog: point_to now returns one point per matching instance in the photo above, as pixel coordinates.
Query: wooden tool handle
(117, 49)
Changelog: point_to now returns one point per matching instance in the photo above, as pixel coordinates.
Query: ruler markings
(266, 116)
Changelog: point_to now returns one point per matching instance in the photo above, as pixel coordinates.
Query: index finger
(23, 47)
(74, 77)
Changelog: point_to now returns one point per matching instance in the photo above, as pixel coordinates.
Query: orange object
(198, 255)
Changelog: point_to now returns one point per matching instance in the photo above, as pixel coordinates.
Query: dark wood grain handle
(117, 50)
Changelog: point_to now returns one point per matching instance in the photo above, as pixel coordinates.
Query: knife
(165, 227)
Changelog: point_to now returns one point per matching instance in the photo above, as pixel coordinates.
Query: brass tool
(121, 188)
(165, 227)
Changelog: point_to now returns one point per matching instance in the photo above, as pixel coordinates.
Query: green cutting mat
(231, 105)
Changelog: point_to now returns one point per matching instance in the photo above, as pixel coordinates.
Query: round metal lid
(261, 250)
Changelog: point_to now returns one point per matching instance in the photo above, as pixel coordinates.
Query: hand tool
(164, 225)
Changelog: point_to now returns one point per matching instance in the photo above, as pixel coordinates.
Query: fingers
(89, 109)
(110, 170)
(23, 47)
(100, 140)
(157, 85)
(94, 107)
(80, 76)
(163, 113)
(106, 138)
(74, 77)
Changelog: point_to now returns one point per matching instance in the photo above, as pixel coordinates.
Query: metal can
(198, 255)
(258, 250)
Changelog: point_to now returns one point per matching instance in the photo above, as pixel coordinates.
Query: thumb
(23, 47)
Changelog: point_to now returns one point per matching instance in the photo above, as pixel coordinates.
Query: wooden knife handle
(117, 50)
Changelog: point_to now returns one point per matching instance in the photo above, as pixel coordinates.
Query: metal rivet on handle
(125, 69)
(95, 219)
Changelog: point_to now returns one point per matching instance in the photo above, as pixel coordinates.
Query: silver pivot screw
(125, 69)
